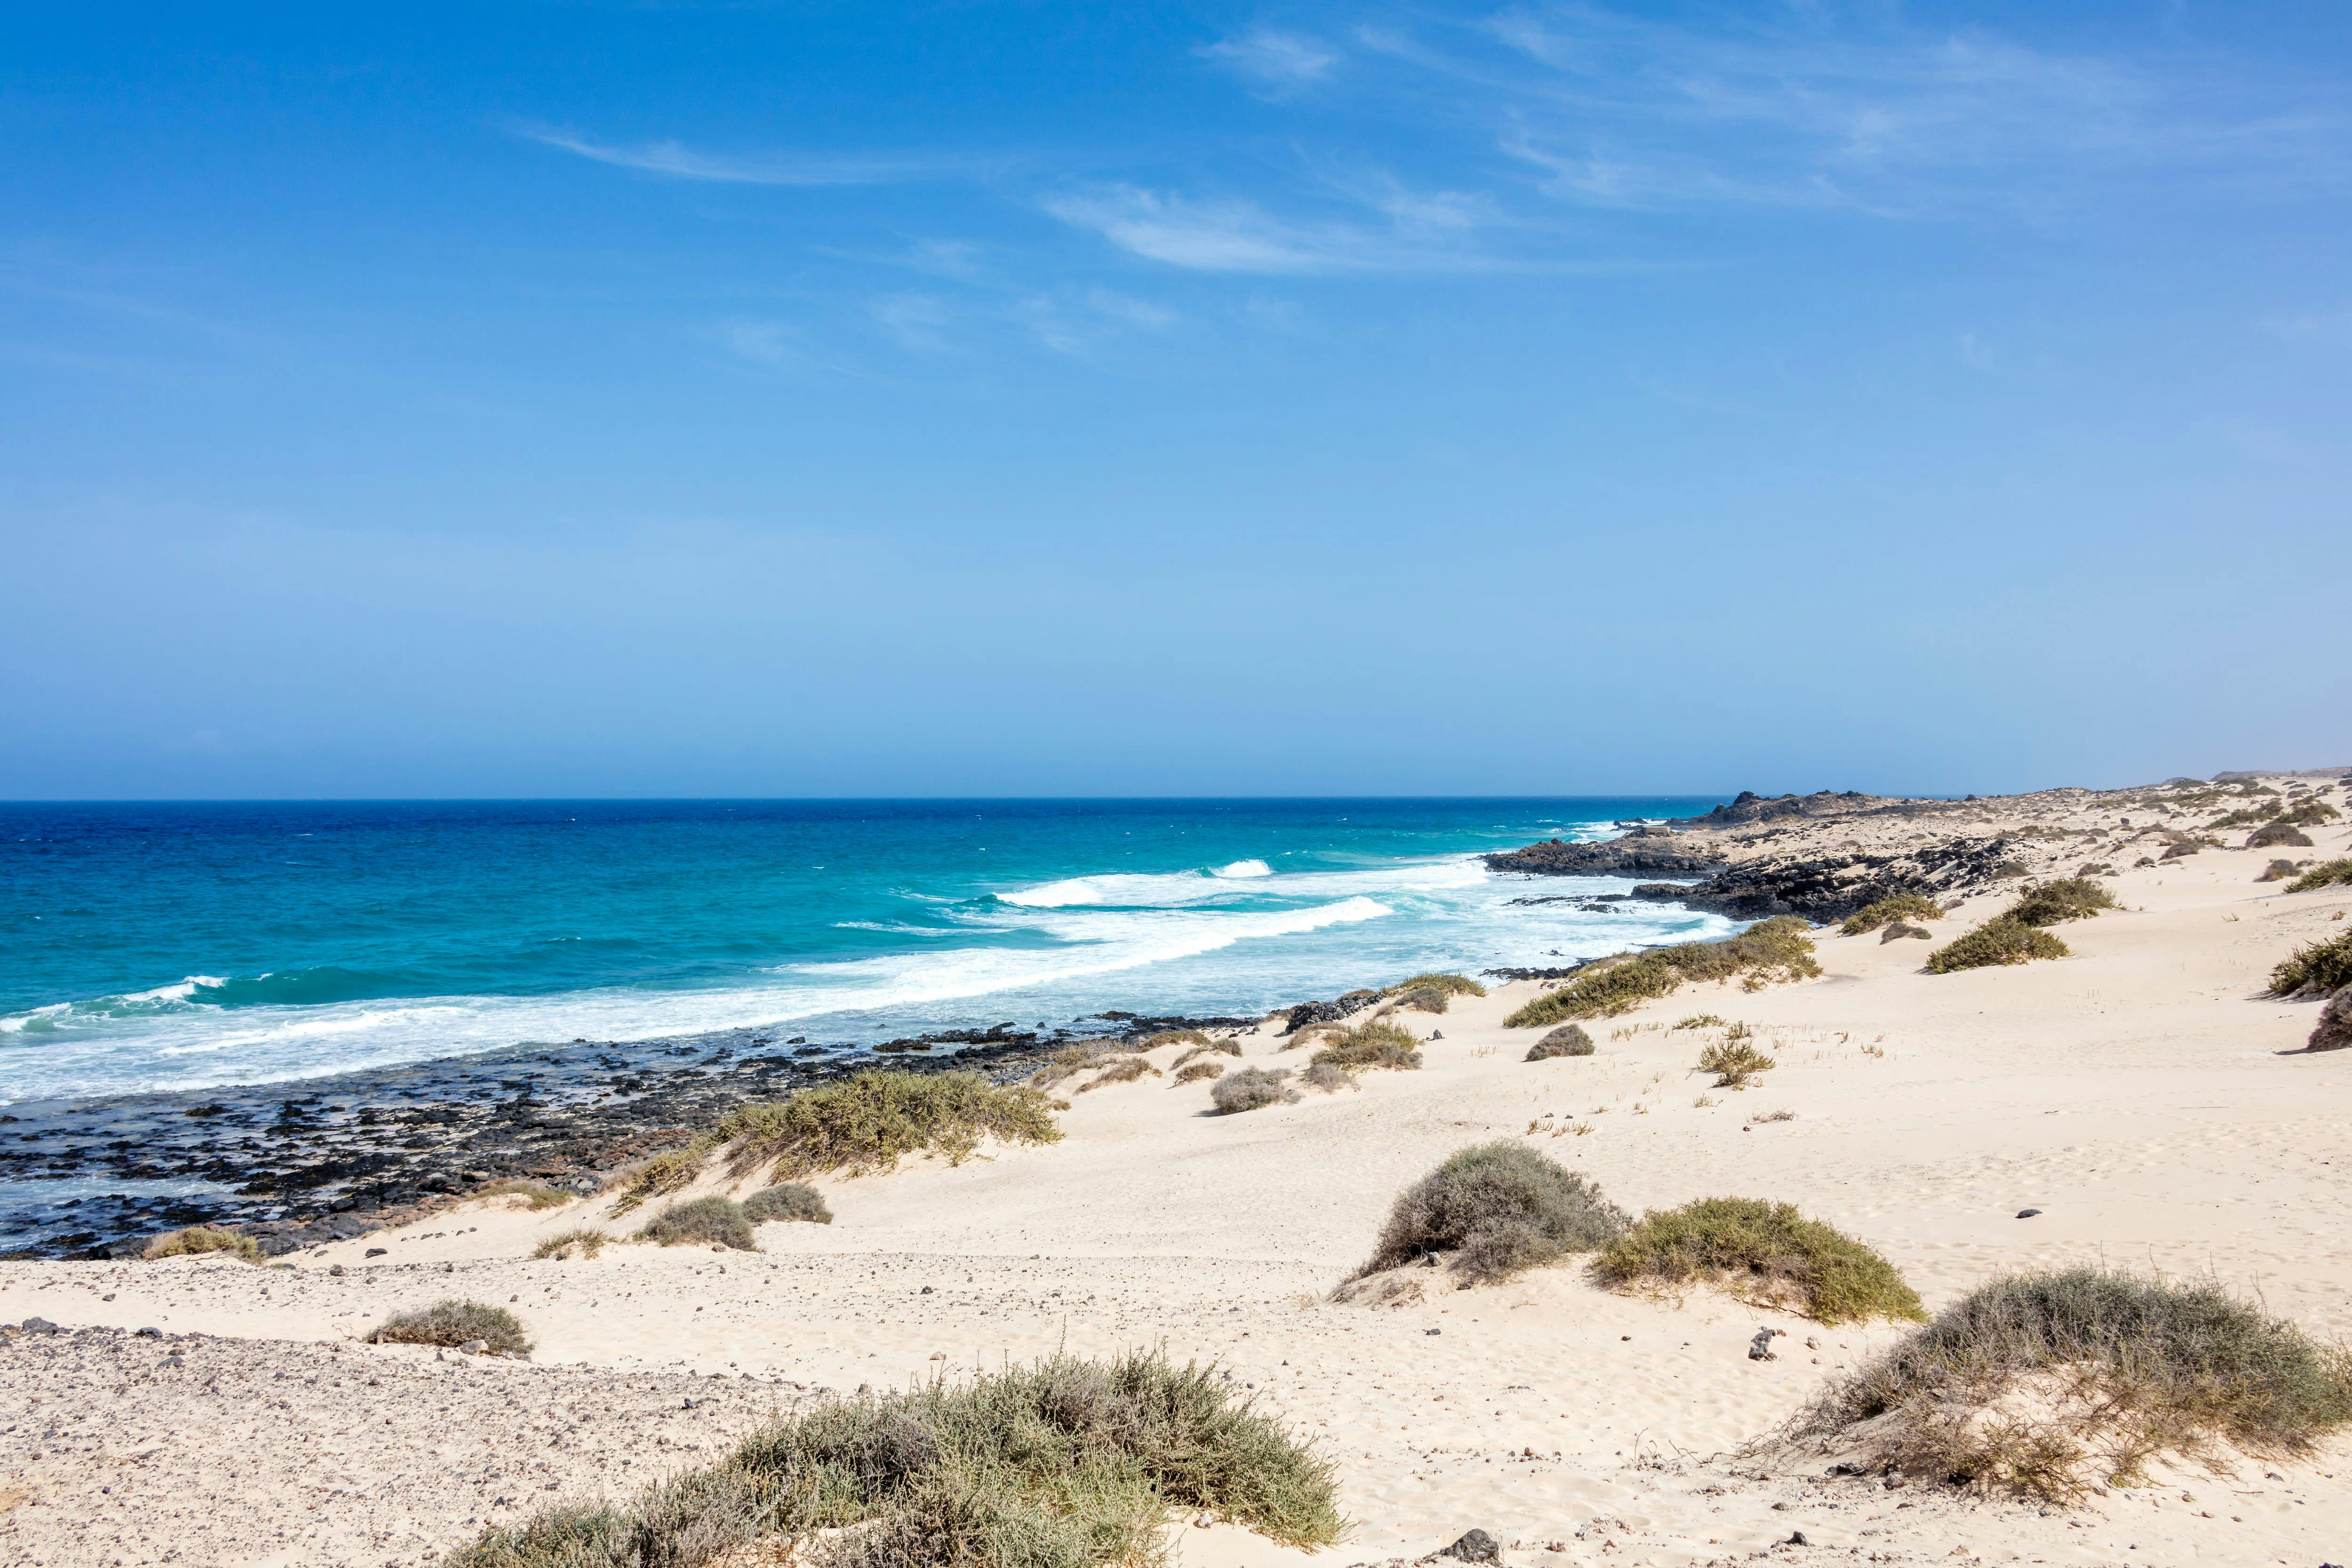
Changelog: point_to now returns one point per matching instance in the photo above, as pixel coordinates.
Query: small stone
(1203, 1520)
(147, 1333)
(336, 1270)
(926, 1290)
(1761, 1347)
(1432, 1330)
(1797, 1538)
(1476, 1546)
(474, 1347)
(377, 1251)
(2027, 1213)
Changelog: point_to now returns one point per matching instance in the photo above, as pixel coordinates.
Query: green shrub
(876, 1118)
(2086, 1362)
(1251, 1088)
(1760, 1251)
(1774, 950)
(2278, 835)
(1499, 1209)
(199, 1239)
(1701, 1021)
(1423, 999)
(2310, 813)
(2068, 898)
(701, 1222)
(1568, 1040)
(1452, 985)
(793, 1202)
(2243, 818)
(1120, 1069)
(2321, 967)
(2000, 940)
(453, 1323)
(538, 1194)
(585, 1240)
(1375, 1044)
(1733, 1063)
(2333, 873)
(665, 1173)
(1900, 906)
(1067, 1463)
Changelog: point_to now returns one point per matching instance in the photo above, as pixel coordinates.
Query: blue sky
(542, 399)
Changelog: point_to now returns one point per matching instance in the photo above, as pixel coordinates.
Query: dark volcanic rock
(1633, 855)
(1306, 1013)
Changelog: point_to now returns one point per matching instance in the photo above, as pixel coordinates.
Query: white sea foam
(1243, 869)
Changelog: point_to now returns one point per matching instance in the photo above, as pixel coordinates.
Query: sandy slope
(2143, 1094)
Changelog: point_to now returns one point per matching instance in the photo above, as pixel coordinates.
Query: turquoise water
(178, 946)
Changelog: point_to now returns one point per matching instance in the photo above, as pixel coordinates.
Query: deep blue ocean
(160, 946)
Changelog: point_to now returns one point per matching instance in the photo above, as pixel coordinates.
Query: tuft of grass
(2331, 874)
(1452, 985)
(1499, 1209)
(586, 1240)
(1568, 1040)
(1069, 1058)
(1251, 1088)
(665, 1173)
(200, 1239)
(793, 1202)
(2022, 1381)
(2000, 940)
(453, 1323)
(1733, 1063)
(1067, 1463)
(702, 1222)
(874, 1119)
(2068, 898)
(1700, 1021)
(1375, 1044)
(1901, 906)
(1768, 952)
(2321, 967)
(2280, 834)
(1329, 1077)
(539, 1194)
(1206, 1048)
(1760, 1251)
(1423, 1000)
(1192, 1036)
(1120, 1069)
(1193, 1072)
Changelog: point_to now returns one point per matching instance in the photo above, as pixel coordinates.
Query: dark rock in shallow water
(1629, 856)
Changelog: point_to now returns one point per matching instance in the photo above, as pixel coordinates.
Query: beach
(2146, 1098)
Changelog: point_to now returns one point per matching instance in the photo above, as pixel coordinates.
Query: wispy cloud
(675, 160)
(914, 322)
(1272, 59)
(1225, 235)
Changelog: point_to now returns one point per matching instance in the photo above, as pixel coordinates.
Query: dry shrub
(1900, 906)
(2279, 871)
(1760, 1251)
(791, 1202)
(1325, 1076)
(201, 1238)
(1193, 1072)
(453, 1323)
(1065, 1464)
(2278, 835)
(2000, 940)
(663, 1175)
(2330, 874)
(2334, 1029)
(1423, 999)
(2323, 966)
(585, 1240)
(704, 1222)
(1375, 1044)
(2022, 1381)
(1498, 1208)
(1192, 1036)
(2068, 898)
(538, 1194)
(1568, 1040)
(876, 1118)
(1897, 930)
(1206, 1048)
(1733, 1063)
(1067, 1061)
(1251, 1088)
(1120, 1069)
(1770, 952)
(1452, 985)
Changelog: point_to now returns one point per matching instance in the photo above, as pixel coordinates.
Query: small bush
(791, 1202)
(1375, 1044)
(2332, 874)
(1770, 951)
(2334, 1029)
(1568, 1040)
(1197, 1071)
(1194, 1038)
(452, 1323)
(1901, 906)
(1065, 1464)
(1499, 1209)
(664, 1174)
(537, 1194)
(1120, 1069)
(2321, 967)
(1897, 931)
(2069, 898)
(1206, 1048)
(199, 1239)
(2310, 813)
(703, 1222)
(1700, 1021)
(1733, 1063)
(2277, 870)
(1425, 999)
(1327, 1076)
(585, 1240)
(1251, 1088)
(879, 1116)
(1760, 1251)
(2022, 1379)
(1069, 1058)
(2278, 835)
(1452, 985)
(2000, 940)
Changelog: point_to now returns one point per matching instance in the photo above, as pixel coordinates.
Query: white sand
(2143, 1094)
